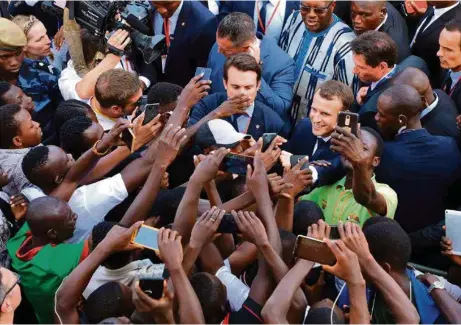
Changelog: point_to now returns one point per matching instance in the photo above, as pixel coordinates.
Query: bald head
(401, 100)
(415, 78)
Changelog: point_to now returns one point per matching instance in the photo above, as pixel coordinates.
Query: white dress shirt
(173, 20)
(275, 28)
(455, 76)
(374, 84)
(383, 22)
(429, 108)
(213, 7)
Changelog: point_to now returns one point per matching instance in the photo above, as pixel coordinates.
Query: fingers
(18, 200)
(220, 154)
(301, 163)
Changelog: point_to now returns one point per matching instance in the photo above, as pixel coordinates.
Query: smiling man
(318, 41)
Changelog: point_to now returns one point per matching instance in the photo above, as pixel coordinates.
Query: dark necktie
(427, 21)
(447, 83)
(321, 147)
(262, 14)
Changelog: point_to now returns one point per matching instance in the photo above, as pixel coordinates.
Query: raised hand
(352, 236)
(205, 228)
(446, 246)
(170, 247)
(349, 146)
(256, 178)
(251, 227)
(145, 304)
(145, 133)
(277, 184)
(272, 154)
(320, 230)
(234, 105)
(19, 204)
(208, 166)
(169, 143)
(119, 238)
(119, 39)
(300, 178)
(194, 91)
(112, 138)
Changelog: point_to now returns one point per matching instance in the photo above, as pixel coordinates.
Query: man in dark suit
(269, 15)
(420, 167)
(212, 5)
(450, 59)
(311, 136)
(383, 17)
(242, 79)
(236, 34)
(425, 43)
(189, 29)
(438, 111)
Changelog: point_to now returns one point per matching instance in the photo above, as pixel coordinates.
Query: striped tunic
(318, 57)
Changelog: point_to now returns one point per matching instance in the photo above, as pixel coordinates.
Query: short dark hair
(212, 296)
(379, 140)
(91, 45)
(237, 27)
(376, 47)
(33, 162)
(321, 315)
(305, 214)
(389, 243)
(116, 87)
(242, 62)
(8, 125)
(167, 203)
(163, 93)
(4, 88)
(69, 109)
(333, 88)
(71, 135)
(454, 25)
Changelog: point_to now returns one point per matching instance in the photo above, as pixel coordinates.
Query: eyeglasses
(18, 281)
(317, 11)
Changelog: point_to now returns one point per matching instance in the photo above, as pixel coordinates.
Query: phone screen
(206, 73)
(147, 237)
(236, 164)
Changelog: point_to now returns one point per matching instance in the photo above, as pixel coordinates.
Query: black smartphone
(150, 112)
(152, 287)
(128, 138)
(313, 250)
(146, 237)
(228, 225)
(236, 164)
(267, 140)
(334, 233)
(348, 121)
(206, 73)
(294, 160)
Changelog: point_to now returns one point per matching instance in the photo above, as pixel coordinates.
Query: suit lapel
(439, 22)
(256, 127)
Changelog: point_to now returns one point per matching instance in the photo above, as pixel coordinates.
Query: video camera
(99, 17)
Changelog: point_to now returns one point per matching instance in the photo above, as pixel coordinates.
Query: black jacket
(396, 28)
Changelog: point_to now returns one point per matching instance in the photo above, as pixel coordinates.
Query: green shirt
(42, 271)
(338, 203)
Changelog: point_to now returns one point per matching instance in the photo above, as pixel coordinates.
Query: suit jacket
(277, 80)
(367, 111)
(263, 120)
(442, 119)
(427, 43)
(396, 28)
(302, 142)
(455, 95)
(194, 36)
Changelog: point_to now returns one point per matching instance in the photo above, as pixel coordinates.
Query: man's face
(58, 164)
(29, 133)
(64, 223)
(166, 9)
(317, 15)
(10, 283)
(241, 82)
(365, 72)
(450, 49)
(387, 121)
(324, 115)
(131, 104)
(228, 49)
(365, 16)
(370, 146)
(16, 96)
(92, 134)
(11, 61)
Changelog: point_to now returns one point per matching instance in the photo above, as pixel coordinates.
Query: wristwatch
(436, 285)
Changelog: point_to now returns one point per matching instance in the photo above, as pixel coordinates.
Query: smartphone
(267, 140)
(409, 9)
(236, 164)
(128, 138)
(146, 237)
(150, 112)
(228, 225)
(313, 250)
(294, 159)
(348, 121)
(152, 287)
(453, 229)
(206, 73)
(334, 233)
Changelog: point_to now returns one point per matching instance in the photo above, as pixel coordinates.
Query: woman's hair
(25, 22)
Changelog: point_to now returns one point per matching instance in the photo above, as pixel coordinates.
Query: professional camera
(99, 17)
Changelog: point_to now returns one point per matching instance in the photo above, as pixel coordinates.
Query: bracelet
(288, 196)
(115, 51)
(96, 152)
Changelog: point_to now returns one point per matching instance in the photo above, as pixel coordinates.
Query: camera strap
(115, 51)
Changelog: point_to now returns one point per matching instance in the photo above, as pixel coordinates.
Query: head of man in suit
(117, 93)
(242, 76)
(374, 54)
(367, 15)
(166, 8)
(330, 98)
(236, 34)
(317, 15)
(398, 110)
(417, 79)
(450, 46)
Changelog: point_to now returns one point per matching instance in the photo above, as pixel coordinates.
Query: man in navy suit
(421, 168)
(269, 16)
(189, 29)
(236, 34)
(242, 79)
(311, 136)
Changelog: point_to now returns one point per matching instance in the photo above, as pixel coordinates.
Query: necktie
(166, 31)
(448, 82)
(262, 14)
(321, 147)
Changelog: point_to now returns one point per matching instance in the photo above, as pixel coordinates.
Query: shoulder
(268, 113)
(200, 11)
(386, 191)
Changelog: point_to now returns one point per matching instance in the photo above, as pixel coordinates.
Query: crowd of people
(245, 171)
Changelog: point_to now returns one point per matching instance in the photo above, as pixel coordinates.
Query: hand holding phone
(236, 164)
(206, 73)
(314, 250)
(152, 287)
(206, 227)
(147, 237)
(349, 121)
(267, 140)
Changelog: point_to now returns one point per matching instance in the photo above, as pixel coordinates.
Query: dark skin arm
(242, 257)
(357, 153)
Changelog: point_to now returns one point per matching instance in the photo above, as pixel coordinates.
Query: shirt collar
(325, 139)
(374, 84)
(439, 12)
(249, 111)
(174, 18)
(383, 22)
(429, 108)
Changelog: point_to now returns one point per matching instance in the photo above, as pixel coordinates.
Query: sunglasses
(318, 11)
(18, 281)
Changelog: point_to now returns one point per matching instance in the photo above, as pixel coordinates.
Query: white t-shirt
(237, 291)
(91, 203)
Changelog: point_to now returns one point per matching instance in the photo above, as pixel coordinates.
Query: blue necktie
(262, 14)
